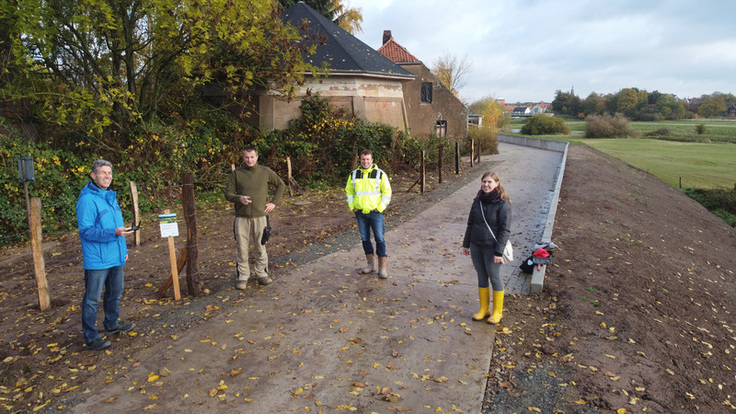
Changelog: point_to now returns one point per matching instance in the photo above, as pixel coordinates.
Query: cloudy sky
(527, 50)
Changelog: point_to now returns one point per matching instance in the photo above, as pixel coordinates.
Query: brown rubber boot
(371, 264)
(382, 272)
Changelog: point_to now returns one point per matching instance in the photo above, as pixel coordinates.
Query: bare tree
(452, 71)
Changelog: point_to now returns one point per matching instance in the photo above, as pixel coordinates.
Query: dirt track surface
(637, 312)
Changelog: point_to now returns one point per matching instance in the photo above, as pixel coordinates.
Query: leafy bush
(544, 125)
(700, 129)
(59, 176)
(720, 202)
(430, 144)
(607, 126)
(487, 138)
(659, 132)
(155, 159)
(323, 144)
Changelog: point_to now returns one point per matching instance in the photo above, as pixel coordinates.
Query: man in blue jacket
(104, 253)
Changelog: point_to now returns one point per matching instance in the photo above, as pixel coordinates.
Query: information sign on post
(169, 230)
(167, 222)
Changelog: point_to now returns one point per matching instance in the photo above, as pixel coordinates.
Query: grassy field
(698, 161)
(698, 165)
(716, 130)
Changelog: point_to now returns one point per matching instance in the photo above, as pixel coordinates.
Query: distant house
(475, 120)
(540, 108)
(361, 80)
(521, 111)
(732, 110)
(507, 108)
(431, 108)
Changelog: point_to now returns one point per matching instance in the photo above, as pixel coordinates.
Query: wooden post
(457, 158)
(136, 212)
(472, 152)
(423, 177)
(288, 174)
(290, 179)
(174, 270)
(180, 263)
(174, 267)
(439, 161)
(39, 265)
(190, 217)
(28, 204)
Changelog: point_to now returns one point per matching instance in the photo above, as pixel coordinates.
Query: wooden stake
(39, 265)
(136, 212)
(288, 174)
(440, 155)
(424, 175)
(472, 152)
(457, 158)
(292, 182)
(174, 268)
(180, 263)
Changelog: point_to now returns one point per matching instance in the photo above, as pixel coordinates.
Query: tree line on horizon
(640, 105)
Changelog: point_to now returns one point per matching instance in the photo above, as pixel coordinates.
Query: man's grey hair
(99, 163)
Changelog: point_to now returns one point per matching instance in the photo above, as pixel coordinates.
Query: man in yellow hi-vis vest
(368, 194)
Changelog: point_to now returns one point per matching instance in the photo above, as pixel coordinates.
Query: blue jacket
(98, 215)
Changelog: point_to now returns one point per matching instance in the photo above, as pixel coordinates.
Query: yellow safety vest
(368, 190)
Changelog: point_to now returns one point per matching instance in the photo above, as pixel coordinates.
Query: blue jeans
(94, 280)
(366, 222)
(485, 267)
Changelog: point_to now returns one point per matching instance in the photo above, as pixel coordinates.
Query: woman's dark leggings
(487, 270)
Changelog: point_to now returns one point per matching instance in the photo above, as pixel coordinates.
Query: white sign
(168, 225)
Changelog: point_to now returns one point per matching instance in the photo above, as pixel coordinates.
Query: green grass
(698, 165)
(704, 161)
(716, 130)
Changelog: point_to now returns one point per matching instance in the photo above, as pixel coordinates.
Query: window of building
(440, 128)
(427, 92)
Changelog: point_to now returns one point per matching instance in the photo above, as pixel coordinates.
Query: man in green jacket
(248, 189)
(368, 194)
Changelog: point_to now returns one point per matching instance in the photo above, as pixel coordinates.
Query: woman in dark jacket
(485, 250)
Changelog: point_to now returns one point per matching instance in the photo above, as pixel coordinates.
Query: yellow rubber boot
(485, 297)
(497, 307)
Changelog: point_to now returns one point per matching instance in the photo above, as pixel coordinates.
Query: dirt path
(323, 336)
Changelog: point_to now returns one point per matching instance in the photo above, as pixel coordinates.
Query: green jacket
(254, 182)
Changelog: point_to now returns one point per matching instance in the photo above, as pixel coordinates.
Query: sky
(524, 51)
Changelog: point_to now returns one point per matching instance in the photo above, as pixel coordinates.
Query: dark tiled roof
(397, 53)
(343, 52)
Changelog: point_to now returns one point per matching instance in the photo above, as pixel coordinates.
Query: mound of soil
(637, 311)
